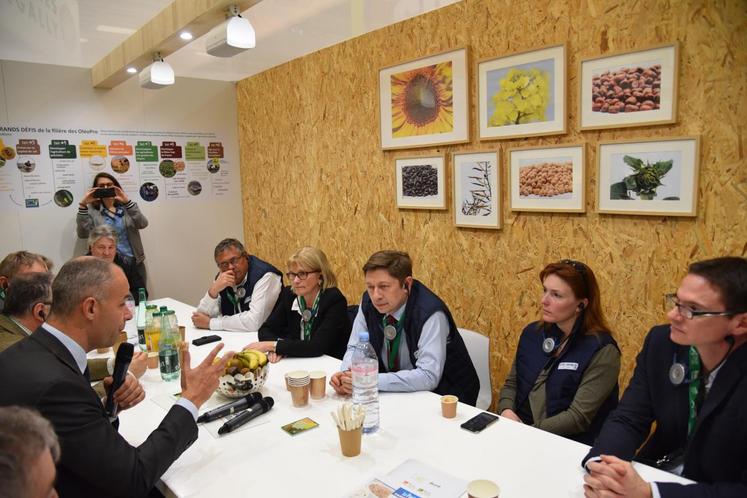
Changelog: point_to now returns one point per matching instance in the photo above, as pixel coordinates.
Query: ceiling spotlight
(232, 36)
(185, 35)
(157, 75)
(131, 70)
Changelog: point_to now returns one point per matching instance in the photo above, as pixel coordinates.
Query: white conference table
(263, 460)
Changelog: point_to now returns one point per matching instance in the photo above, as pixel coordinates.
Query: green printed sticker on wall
(145, 151)
(194, 151)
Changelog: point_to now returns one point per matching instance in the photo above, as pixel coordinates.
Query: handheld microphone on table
(230, 408)
(257, 409)
(121, 364)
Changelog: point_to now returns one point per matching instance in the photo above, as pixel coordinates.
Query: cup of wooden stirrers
(349, 421)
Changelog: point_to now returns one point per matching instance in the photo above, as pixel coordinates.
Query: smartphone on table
(479, 422)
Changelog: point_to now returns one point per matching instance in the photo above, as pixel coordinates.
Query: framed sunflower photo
(523, 94)
(421, 182)
(424, 102)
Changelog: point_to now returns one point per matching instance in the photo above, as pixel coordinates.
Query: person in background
(47, 371)
(29, 451)
(422, 349)
(27, 307)
(243, 294)
(118, 211)
(690, 383)
(564, 376)
(102, 244)
(19, 262)
(310, 317)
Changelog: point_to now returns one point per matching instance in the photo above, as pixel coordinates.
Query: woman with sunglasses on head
(310, 317)
(564, 376)
(107, 204)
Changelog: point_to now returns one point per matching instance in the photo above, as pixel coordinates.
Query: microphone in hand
(121, 364)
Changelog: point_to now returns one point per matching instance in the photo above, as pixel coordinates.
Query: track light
(232, 36)
(157, 75)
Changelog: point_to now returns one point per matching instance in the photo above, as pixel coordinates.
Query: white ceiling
(80, 32)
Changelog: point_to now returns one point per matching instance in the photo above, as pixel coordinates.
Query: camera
(102, 192)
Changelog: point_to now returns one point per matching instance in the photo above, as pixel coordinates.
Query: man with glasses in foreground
(690, 379)
(243, 294)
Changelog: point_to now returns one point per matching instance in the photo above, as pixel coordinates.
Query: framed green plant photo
(651, 177)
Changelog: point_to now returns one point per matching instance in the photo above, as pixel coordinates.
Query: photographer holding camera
(107, 204)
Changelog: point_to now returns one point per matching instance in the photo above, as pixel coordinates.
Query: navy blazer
(39, 372)
(716, 455)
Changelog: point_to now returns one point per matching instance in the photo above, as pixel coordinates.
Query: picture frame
(477, 189)
(640, 86)
(424, 102)
(502, 111)
(549, 179)
(623, 189)
(421, 182)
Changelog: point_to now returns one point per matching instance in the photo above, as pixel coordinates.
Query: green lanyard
(393, 345)
(234, 301)
(693, 389)
(307, 324)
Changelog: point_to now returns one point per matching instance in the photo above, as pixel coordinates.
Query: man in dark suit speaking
(691, 379)
(47, 371)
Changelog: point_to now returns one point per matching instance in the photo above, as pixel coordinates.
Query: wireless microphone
(230, 408)
(262, 406)
(121, 364)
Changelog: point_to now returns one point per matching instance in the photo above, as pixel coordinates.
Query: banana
(249, 361)
(259, 355)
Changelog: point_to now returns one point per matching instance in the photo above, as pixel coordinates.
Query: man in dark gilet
(242, 295)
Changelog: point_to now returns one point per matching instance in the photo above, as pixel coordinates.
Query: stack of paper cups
(298, 382)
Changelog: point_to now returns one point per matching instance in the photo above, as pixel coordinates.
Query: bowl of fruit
(245, 373)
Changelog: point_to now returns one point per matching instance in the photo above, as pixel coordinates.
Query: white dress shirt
(263, 298)
(430, 356)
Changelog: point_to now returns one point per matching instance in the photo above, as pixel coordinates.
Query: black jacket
(330, 330)
(39, 372)
(716, 455)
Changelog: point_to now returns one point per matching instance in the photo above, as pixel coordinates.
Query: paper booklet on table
(412, 479)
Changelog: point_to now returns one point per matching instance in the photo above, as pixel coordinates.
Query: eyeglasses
(301, 275)
(225, 265)
(671, 301)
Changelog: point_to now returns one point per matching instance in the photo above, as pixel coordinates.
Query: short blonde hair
(314, 259)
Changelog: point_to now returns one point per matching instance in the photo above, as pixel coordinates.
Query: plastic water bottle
(141, 320)
(168, 348)
(365, 368)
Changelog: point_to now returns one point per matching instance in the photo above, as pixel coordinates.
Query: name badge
(568, 365)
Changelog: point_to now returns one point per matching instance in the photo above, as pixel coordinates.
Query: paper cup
(350, 441)
(318, 384)
(449, 406)
(287, 385)
(182, 332)
(122, 337)
(299, 395)
(152, 360)
(482, 488)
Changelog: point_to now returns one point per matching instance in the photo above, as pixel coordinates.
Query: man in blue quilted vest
(413, 333)
(243, 293)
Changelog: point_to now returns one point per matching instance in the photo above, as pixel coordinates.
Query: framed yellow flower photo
(424, 102)
(522, 94)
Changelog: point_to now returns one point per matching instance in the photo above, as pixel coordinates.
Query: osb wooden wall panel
(313, 173)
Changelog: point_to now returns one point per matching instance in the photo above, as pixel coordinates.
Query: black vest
(561, 384)
(459, 376)
(257, 270)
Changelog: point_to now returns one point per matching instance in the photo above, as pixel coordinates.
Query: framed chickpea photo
(548, 179)
(636, 88)
(649, 177)
(522, 94)
(477, 190)
(421, 182)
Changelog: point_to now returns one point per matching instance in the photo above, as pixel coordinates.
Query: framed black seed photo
(421, 182)
(424, 102)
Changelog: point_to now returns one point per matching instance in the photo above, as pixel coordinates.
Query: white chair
(478, 347)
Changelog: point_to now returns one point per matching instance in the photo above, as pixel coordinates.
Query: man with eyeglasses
(691, 380)
(243, 294)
